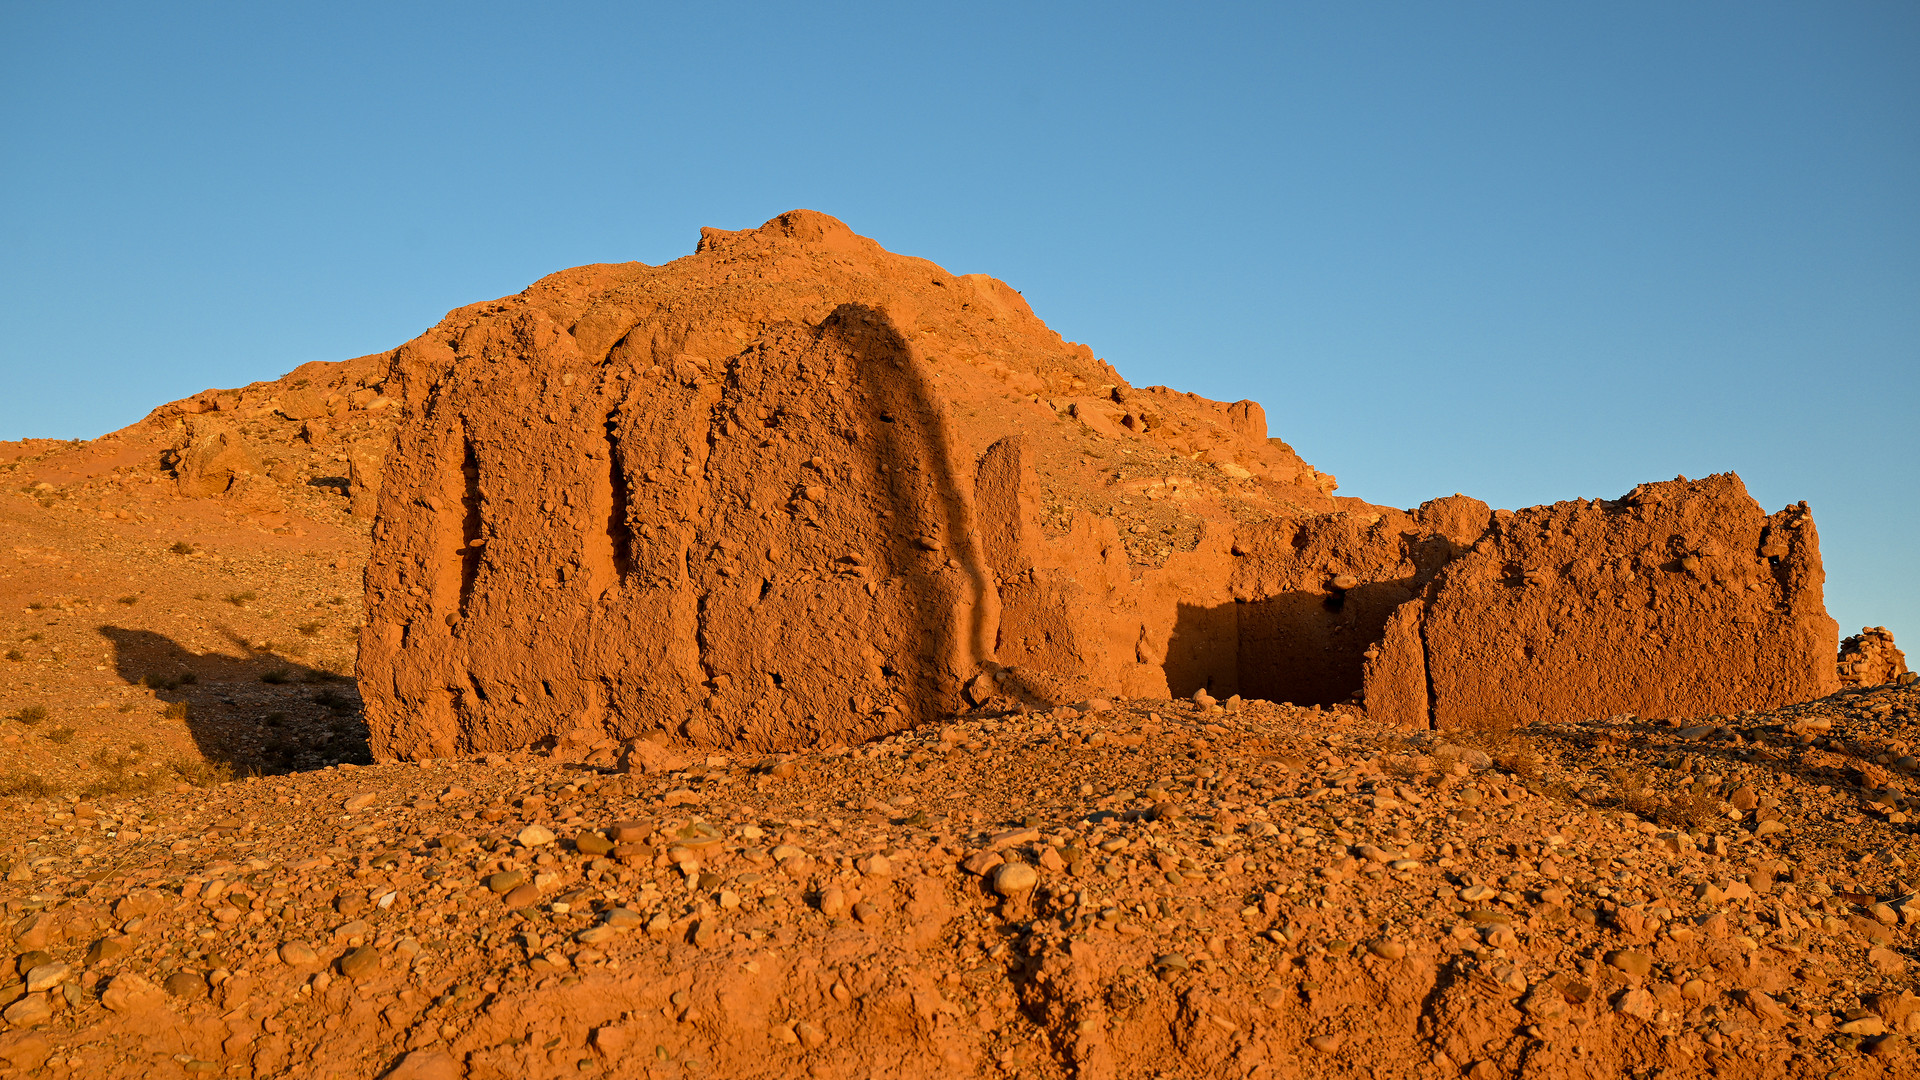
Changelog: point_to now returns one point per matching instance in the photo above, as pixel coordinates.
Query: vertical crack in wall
(609, 550)
(469, 525)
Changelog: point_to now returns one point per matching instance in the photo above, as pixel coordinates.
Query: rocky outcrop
(215, 462)
(1681, 599)
(1870, 658)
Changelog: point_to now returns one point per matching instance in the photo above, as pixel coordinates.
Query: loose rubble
(1228, 889)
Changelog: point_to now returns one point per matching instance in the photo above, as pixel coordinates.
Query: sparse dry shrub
(310, 628)
(22, 782)
(181, 547)
(242, 599)
(60, 736)
(334, 701)
(118, 775)
(1560, 791)
(276, 677)
(177, 710)
(31, 714)
(1689, 811)
(201, 773)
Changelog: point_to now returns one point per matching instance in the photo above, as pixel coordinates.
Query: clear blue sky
(1525, 251)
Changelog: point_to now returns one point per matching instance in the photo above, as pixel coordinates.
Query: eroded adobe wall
(781, 553)
(795, 489)
(1683, 598)
(1870, 658)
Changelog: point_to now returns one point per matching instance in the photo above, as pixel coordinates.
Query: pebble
(360, 963)
(1631, 961)
(359, 802)
(534, 836)
(129, 992)
(298, 954)
(47, 976)
(1636, 1003)
(1388, 950)
(30, 1011)
(187, 985)
(1014, 879)
(104, 950)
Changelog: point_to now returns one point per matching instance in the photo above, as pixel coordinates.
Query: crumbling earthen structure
(796, 489)
(1870, 658)
(1680, 599)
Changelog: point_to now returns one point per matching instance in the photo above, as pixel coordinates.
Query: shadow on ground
(260, 712)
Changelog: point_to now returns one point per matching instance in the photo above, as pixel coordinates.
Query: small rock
(592, 843)
(1387, 950)
(30, 1011)
(187, 985)
(298, 954)
(47, 976)
(359, 802)
(130, 993)
(360, 963)
(104, 950)
(833, 900)
(1630, 961)
(535, 836)
(865, 913)
(1886, 961)
(506, 881)
(1327, 1044)
(1636, 1003)
(646, 756)
(427, 1065)
(522, 896)
(1015, 879)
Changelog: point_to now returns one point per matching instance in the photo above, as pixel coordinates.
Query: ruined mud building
(796, 489)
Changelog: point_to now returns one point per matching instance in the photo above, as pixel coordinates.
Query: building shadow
(910, 461)
(256, 713)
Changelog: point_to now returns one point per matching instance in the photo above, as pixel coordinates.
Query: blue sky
(1524, 251)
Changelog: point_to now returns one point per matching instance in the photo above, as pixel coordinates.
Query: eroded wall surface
(1683, 598)
(795, 490)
